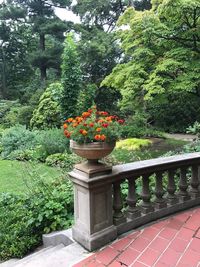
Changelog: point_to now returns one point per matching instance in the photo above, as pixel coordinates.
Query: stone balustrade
(155, 188)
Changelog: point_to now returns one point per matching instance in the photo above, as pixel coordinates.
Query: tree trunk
(43, 69)
(3, 89)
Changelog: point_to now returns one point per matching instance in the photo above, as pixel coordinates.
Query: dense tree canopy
(162, 52)
(128, 56)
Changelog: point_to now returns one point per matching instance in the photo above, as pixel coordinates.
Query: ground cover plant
(23, 219)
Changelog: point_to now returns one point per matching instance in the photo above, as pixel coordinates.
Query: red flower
(120, 121)
(67, 134)
(91, 124)
(105, 125)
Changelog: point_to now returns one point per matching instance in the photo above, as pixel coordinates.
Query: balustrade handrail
(154, 165)
(166, 185)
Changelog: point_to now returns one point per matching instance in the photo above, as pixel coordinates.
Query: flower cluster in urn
(93, 126)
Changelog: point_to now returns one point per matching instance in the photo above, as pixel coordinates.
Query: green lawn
(18, 177)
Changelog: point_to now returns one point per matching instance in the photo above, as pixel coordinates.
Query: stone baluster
(159, 192)
(146, 195)
(171, 188)
(132, 210)
(183, 193)
(118, 216)
(194, 191)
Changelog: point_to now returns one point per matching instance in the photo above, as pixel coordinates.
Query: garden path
(172, 242)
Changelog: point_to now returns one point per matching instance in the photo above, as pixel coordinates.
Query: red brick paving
(173, 242)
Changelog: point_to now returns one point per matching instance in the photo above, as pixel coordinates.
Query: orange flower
(86, 114)
(103, 137)
(65, 126)
(98, 130)
(79, 119)
(84, 132)
(109, 118)
(75, 124)
(101, 120)
(97, 137)
(70, 120)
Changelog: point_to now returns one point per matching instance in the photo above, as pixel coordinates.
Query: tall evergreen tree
(49, 29)
(71, 77)
(15, 45)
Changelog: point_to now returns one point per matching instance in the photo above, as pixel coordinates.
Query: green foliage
(23, 219)
(174, 112)
(16, 237)
(25, 115)
(86, 98)
(48, 112)
(161, 59)
(17, 138)
(52, 141)
(60, 160)
(71, 77)
(194, 129)
(133, 144)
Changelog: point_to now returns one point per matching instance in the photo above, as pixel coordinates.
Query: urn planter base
(93, 152)
(93, 168)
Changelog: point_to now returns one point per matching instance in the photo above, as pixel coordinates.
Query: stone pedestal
(92, 209)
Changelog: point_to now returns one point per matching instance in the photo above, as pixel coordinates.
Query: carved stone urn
(93, 152)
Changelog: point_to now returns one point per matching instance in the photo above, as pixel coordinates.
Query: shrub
(25, 115)
(194, 129)
(23, 219)
(62, 160)
(133, 144)
(17, 138)
(129, 131)
(48, 112)
(52, 141)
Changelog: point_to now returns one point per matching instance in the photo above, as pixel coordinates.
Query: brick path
(174, 242)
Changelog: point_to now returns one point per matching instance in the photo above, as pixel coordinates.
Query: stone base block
(57, 238)
(160, 205)
(147, 209)
(172, 201)
(93, 169)
(94, 241)
(184, 198)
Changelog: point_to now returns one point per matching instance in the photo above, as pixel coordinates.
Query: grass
(17, 177)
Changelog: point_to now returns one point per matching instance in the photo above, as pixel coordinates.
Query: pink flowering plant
(93, 126)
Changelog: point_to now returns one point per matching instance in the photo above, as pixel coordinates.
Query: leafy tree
(71, 77)
(162, 50)
(15, 44)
